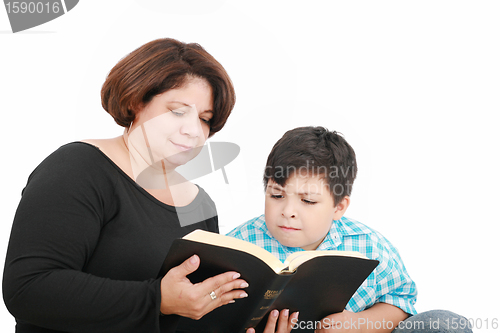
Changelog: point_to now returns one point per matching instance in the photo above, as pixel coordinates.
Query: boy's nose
(289, 211)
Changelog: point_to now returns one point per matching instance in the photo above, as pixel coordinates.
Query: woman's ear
(341, 207)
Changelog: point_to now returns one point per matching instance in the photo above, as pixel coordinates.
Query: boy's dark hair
(317, 151)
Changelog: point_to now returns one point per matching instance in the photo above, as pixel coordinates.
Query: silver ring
(212, 295)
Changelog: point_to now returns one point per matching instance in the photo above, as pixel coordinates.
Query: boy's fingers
(283, 321)
(294, 319)
(271, 321)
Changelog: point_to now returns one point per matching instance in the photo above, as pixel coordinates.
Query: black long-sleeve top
(87, 245)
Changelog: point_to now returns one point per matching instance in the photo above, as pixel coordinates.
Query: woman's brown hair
(161, 65)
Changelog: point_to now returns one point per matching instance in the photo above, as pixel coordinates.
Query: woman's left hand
(285, 322)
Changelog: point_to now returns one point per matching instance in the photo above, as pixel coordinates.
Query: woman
(97, 217)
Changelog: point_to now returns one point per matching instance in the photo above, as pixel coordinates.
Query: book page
(296, 259)
(212, 238)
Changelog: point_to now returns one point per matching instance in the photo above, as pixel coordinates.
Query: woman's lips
(182, 147)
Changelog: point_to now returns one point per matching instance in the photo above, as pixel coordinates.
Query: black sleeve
(55, 229)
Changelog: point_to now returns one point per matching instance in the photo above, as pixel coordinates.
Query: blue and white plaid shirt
(388, 283)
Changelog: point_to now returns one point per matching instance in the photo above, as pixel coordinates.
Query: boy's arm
(380, 318)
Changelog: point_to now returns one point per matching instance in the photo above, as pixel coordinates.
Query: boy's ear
(341, 207)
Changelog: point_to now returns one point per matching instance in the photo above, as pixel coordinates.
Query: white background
(413, 86)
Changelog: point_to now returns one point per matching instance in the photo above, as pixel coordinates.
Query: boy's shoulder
(349, 226)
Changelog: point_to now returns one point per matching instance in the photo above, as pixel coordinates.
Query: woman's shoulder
(73, 167)
(113, 148)
(73, 153)
(77, 157)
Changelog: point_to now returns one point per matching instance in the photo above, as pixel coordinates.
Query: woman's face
(174, 124)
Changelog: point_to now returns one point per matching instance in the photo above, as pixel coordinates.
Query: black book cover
(318, 288)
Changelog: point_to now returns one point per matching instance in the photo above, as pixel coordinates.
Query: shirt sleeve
(55, 230)
(394, 285)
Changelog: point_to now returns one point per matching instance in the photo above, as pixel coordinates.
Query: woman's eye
(206, 121)
(177, 113)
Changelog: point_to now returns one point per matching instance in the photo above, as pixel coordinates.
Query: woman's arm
(56, 231)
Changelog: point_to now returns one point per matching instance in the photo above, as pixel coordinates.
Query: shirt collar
(349, 227)
(260, 223)
(340, 228)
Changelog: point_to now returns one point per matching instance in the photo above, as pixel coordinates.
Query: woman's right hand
(179, 296)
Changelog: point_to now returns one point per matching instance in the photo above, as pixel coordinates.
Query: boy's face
(301, 213)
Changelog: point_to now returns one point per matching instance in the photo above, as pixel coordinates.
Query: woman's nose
(191, 125)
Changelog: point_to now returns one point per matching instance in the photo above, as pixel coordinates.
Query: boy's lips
(285, 228)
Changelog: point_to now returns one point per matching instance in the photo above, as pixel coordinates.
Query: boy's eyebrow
(276, 187)
(308, 193)
(279, 188)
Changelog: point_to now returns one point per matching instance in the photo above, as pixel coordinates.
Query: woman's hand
(285, 323)
(179, 296)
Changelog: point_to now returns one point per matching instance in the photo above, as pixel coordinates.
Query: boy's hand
(285, 322)
(345, 321)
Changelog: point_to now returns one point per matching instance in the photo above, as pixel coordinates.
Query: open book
(315, 283)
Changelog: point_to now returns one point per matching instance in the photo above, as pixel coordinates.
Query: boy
(308, 181)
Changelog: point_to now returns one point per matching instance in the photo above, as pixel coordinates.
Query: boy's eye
(276, 196)
(309, 202)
